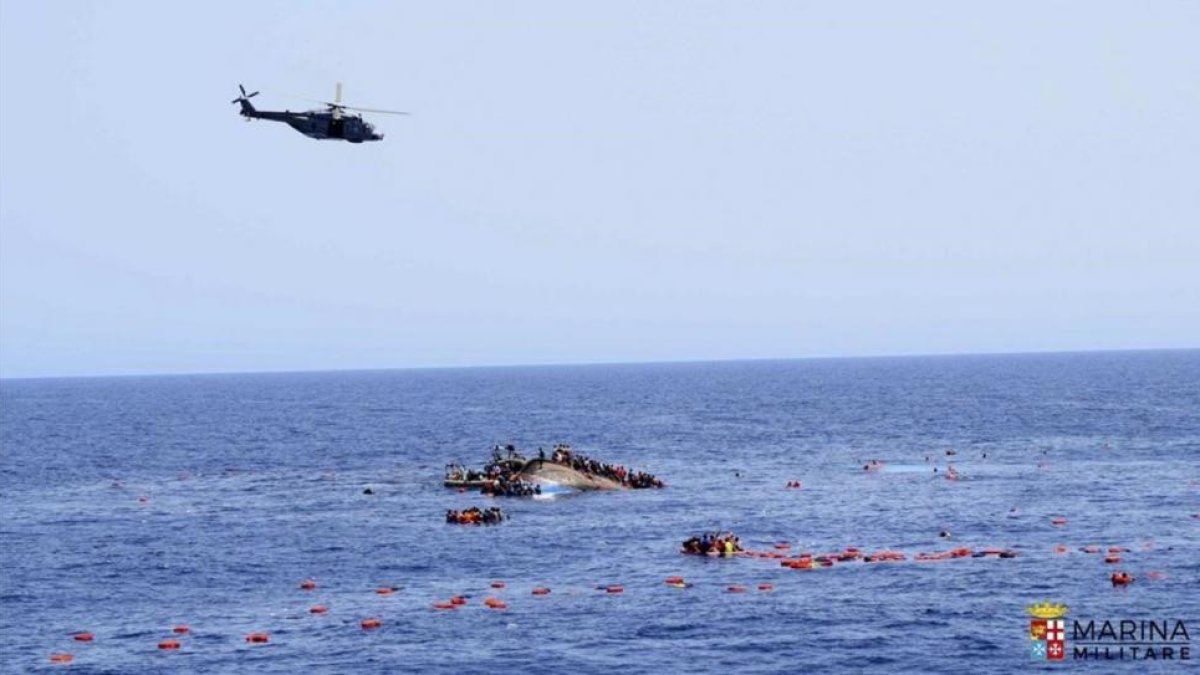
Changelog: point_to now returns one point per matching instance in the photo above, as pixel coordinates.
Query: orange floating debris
(61, 658)
(541, 590)
(494, 603)
(1058, 521)
(444, 605)
(1061, 548)
(736, 588)
(1156, 576)
(308, 585)
(1112, 559)
(674, 580)
(615, 589)
(384, 590)
(318, 609)
(370, 624)
(498, 584)
(766, 587)
(898, 556)
(181, 629)
(783, 545)
(258, 638)
(84, 637)
(458, 600)
(169, 644)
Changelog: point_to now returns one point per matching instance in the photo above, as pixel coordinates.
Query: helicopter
(332, 123)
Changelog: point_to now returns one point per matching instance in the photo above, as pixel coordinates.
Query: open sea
(131, 505)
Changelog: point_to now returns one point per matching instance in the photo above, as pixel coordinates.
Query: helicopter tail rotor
(247, 109)
(244, 95)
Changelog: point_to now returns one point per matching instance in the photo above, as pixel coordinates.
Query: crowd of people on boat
(505, 459)
(500, 476)
(501, 453)
(713, 543)
(509, 486)
(458, 473)
(563, 454)
(476, 516)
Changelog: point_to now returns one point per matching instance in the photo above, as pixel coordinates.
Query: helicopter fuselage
(319, 124)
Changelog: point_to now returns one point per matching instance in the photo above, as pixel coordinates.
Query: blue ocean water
(129, 505)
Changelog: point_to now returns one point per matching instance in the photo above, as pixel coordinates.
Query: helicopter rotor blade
(336, 107)
(374, 110)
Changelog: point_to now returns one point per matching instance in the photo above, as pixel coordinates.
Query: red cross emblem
(1055, 650)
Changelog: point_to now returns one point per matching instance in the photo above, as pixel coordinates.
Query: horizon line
(571, 364)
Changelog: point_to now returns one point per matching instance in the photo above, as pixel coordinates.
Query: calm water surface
(252, 483)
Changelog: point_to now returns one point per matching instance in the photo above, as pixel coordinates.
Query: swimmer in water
(944, 534)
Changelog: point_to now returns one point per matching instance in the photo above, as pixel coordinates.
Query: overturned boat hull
(551, 473)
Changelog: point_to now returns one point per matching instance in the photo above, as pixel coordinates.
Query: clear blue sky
(606, 181)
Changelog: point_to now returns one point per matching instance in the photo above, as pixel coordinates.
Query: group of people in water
(951, 473)
(713, 543)
(476, 516)
(637, 480)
